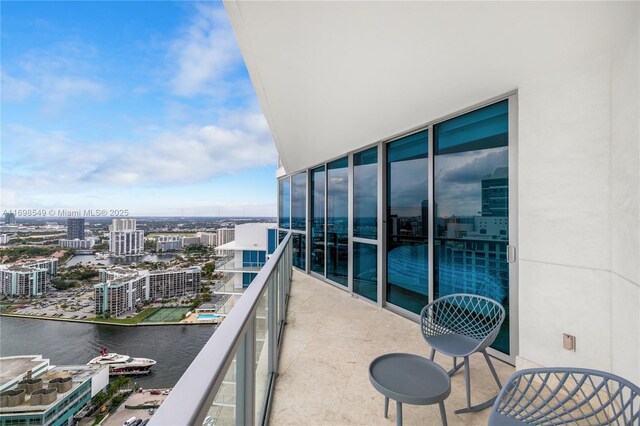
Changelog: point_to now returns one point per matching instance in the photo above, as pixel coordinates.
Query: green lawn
(134, 320)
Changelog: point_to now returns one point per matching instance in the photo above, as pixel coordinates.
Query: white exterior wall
(579, 213)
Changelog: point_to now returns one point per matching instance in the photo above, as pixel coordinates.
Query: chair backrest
(474, 316)
(560, 396)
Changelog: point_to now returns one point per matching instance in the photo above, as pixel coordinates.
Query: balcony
(329, 340)
(233, 266)
(313, 370)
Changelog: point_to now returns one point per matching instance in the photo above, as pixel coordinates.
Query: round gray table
(409, 379)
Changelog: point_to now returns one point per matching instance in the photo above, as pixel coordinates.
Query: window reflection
(471, 190)
(298, 244)
(317, 219)
(337, 221)
(365, 194)
(299, 201)
(407, 222)
(365, 270)
(284, 193)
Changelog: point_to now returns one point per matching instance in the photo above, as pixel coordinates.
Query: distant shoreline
(84, 321)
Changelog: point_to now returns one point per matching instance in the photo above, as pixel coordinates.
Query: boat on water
(120, 365)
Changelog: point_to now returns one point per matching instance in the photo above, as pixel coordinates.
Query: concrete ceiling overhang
(334, 76)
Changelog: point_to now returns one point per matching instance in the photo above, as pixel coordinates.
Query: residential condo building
(209, 239)
(124, 239)
(77, 244)
(75, 228)
(122, 289)
(251, 247)
(27, 279)
(425, 149)
(9, 218)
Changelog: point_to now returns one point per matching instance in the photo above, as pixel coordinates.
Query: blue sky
(145, 106)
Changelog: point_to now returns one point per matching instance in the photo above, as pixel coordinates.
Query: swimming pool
(205, 317)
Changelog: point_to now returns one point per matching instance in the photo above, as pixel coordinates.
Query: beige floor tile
(329, 341)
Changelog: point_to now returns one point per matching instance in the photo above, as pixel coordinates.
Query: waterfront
(65, 343)
(90, 259)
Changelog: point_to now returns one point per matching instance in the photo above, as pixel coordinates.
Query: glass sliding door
(365, 194)
(471, 207)
(337, 247)
(365, 223)
(318, 181)
(284, 201)
(407, 222)
(298, 245)
(299, 219)
(365, 270)
(299, 201)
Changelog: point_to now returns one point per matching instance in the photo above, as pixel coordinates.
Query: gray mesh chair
(460, 325)
(566, 396)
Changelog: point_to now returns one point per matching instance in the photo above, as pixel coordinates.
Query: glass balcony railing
(233, 266)
(231, 381)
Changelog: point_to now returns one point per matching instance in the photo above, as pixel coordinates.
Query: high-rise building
(75, 228)
(209, 239)
(122, 289)
(252, 244)
(124, 239)
(9, 218)
(224, 235)
(27, 279)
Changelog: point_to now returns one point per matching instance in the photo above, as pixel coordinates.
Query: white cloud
(205, 53)
(54, 76)
(55, 161)
(15, 89)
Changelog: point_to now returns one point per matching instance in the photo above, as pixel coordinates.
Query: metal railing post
(272, 313)
(245, 376)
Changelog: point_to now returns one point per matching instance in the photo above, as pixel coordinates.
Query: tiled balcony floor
(330, 339)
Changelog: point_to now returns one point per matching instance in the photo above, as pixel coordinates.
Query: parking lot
(69, 304)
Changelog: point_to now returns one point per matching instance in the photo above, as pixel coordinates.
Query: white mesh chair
(566, 396)
(460, 325)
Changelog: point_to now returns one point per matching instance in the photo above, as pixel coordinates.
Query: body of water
(66, 343)
(86, 259)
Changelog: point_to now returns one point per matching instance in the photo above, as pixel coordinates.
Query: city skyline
(97, 96)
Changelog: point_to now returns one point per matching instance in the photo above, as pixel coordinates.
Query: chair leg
(467, 380)
(455, 368)
(433, 354)
(443, 414)
(467, 376)
(493, 370)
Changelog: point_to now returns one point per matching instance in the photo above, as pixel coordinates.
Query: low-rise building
(5, 238)
(32, 392)
(77, 244)
(168, 242)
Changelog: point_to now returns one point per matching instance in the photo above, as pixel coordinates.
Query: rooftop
(330, 339)
(14, 366)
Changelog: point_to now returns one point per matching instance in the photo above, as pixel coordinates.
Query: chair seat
(497, 419)
(453, 344)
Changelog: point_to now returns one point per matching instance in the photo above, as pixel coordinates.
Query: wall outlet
(569, 342)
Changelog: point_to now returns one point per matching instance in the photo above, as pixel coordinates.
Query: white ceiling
(334, 76)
